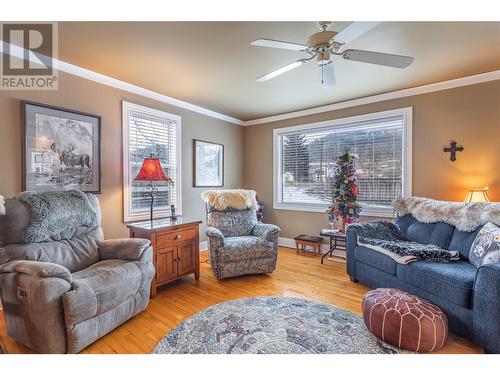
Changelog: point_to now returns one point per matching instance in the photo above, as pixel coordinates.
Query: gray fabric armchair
(238, 245)
(62, 294)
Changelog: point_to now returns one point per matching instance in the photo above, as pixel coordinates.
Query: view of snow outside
(308, 158)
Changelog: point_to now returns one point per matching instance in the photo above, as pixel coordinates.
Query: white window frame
(345, 121)
(127, 212)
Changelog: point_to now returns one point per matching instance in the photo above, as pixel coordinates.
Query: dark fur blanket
(386, 237)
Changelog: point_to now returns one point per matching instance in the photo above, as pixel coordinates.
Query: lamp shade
(477, 195)
(151, 170)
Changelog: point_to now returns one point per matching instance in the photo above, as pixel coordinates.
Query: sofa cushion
(375, 259)
(452, 281)
(462, 241)
(437, 233)
(75, 254)
(245, 248)
(101, 287)
(486, 247)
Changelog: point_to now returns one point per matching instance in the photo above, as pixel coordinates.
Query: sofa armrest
(266, 231)
(215, 240)
(486, 307)
(215, 243)
(214, 232)
(32, 293)
(37, 269)
(353, 232)
(124, 248)
(351, 237)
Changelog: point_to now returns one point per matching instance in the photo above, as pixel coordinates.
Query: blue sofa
(469, 296)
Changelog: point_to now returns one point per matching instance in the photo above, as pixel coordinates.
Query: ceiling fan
(325, 44)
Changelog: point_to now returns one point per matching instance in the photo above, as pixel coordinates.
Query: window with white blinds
(149, 132)
(305, 158)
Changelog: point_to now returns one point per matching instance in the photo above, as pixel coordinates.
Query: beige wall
(87, 96)
(470, 115)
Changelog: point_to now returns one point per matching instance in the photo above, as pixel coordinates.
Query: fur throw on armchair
(466, 217)
(2, 205)
(237, 199)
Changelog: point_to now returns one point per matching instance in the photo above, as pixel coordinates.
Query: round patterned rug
(272, 325)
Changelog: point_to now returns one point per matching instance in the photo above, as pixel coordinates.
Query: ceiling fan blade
(281, 70)
(279, 44)
(387, 59)
(327, 75)
(353, 31)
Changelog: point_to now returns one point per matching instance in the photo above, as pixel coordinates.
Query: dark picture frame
(208, 164)
(61, 149)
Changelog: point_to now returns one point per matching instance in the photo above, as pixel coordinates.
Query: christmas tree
(345, 190)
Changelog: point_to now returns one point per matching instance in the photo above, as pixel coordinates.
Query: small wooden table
(304, 240)
(175, 245)
(337, 242)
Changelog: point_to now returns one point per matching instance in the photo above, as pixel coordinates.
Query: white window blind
(149, 133)
(305, 159)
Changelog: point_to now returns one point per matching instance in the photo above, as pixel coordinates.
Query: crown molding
(125, 86)
(439, 86)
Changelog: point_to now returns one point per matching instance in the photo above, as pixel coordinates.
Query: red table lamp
(151, 170)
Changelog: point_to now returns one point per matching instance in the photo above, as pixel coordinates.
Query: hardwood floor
(298, 276)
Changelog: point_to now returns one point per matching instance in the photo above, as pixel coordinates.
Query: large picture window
(150, 132)
(305, 157)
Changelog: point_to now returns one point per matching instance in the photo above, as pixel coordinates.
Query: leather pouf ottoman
(404, 320)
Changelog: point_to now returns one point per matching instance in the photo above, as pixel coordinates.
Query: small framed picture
(208, 164)
(61, 149)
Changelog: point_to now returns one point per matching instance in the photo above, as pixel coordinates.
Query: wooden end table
(337, 242)
(175, 245)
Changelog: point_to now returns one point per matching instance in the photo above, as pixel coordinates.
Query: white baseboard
(286, 242)
(203, 245)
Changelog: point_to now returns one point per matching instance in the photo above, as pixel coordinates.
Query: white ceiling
(211, 64)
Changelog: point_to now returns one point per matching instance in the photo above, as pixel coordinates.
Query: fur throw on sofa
(387, 238)
(2, 205)
(466, 217)
(237, 199)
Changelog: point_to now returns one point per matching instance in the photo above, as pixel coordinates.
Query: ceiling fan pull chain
(322, 67)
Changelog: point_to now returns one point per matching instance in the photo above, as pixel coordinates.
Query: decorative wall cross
(453, 149)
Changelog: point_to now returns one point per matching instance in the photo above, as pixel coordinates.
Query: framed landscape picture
(208, 164)
(61, 149)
